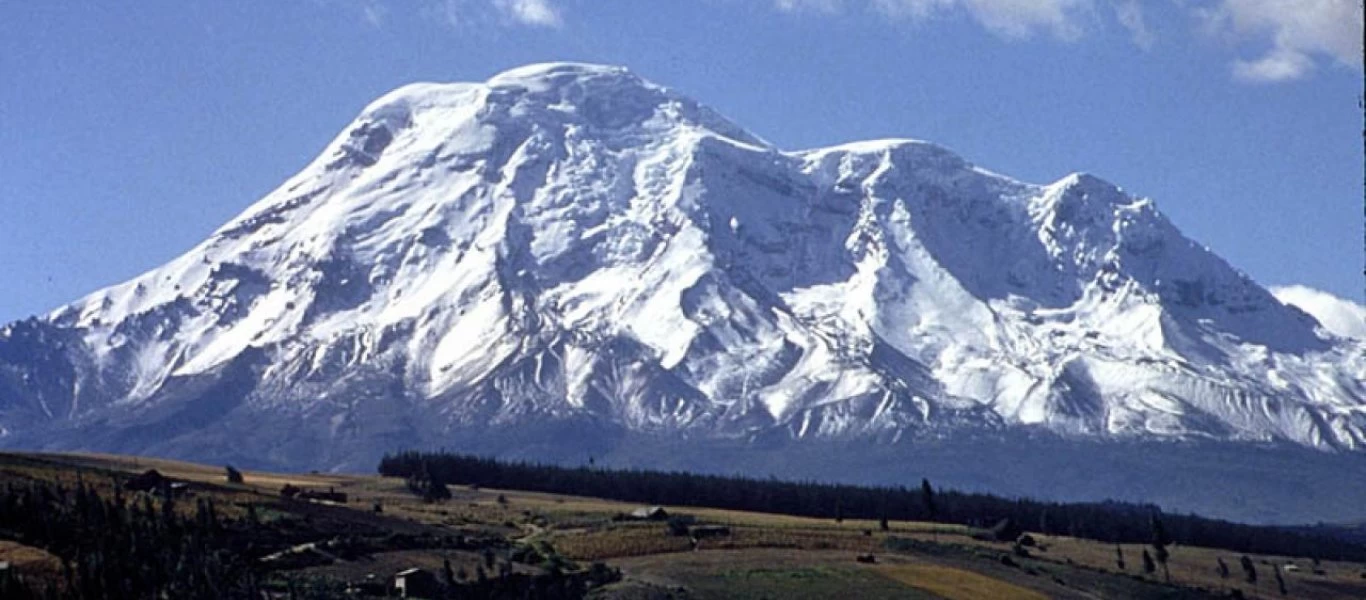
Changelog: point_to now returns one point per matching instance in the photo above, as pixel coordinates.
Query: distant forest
(1115, 522)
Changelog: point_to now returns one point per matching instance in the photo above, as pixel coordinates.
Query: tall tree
(931, 511)
(233, 475)
(1249, 571)
(927, 497)
(1160, 543)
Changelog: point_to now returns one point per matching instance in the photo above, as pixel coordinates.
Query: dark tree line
(1114, 522)
(119, 547)
(430, 486)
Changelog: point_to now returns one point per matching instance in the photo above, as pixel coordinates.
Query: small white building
(415, 583)
(650, 513)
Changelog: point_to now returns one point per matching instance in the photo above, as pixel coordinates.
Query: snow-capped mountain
(572, 244)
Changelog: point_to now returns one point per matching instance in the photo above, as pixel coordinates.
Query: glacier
(573, 259)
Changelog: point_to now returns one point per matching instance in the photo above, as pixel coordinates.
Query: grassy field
(958, 584)
(28, 559)
(758, 573)
(761, 556)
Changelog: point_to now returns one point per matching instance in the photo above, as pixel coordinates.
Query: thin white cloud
(1339, 316)
(1130, 15)
(1009, 18)
(475, 14)
(1300, 33)
(374, 13)
(454, 13)
(1296, 36)
(536, 13)
(1279, 65)
(819, 6)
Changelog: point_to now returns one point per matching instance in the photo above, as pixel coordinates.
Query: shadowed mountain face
(569, 249)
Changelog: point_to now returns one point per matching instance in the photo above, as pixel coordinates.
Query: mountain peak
(604, 102)
(1088, 188)
(551, 74)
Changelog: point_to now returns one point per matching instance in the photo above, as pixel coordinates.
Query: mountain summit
(572, 245)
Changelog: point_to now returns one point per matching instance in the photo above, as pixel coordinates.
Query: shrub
(600, 574)
(679, 524)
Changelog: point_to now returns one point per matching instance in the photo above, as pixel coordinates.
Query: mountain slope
(569, 246)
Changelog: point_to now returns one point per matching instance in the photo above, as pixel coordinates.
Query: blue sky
(129, 131)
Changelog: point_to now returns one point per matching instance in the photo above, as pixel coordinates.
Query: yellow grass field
(957, 584)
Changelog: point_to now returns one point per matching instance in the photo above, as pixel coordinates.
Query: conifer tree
(927, 497)
(1160, 543)
(1249, 570)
